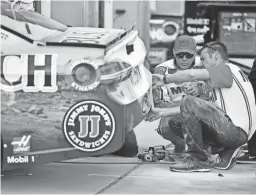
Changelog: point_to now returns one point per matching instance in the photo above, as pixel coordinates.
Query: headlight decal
(86, 75)
(132, 88)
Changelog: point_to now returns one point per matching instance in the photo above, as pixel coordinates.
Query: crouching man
(170, 95)
(226, 124)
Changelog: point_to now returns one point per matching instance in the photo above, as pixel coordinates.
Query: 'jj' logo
(30, 73)
(84, 121)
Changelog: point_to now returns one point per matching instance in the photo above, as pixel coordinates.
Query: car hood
(84, 36)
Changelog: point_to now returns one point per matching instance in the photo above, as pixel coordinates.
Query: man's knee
(165, 132)
(170, 128)
(175, 122)
(164, 128)
(175, 125)
(187, 103)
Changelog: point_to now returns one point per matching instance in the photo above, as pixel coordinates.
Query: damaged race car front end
(71, 94)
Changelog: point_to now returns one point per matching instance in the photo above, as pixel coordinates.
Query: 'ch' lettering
(30, 73)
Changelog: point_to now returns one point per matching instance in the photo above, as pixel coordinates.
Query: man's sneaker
(227, 159)
(247, 159)
(191, 164)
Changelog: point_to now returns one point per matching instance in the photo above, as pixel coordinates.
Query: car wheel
(130, 146)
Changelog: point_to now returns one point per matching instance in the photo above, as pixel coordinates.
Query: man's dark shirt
(252, 77)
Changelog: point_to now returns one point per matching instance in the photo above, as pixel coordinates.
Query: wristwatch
(164, 79)
(200, 89)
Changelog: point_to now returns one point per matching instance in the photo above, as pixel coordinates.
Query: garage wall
(67, 12)
(136, 12)
(129, 18)
(132, 14)
(176, 8)
(76, 13)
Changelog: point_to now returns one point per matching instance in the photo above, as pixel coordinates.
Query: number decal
(84, 37)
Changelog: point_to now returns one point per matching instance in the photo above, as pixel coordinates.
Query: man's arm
(157, 113)
(188, 76)
(217, 76)
(204, 91)
(252, 77)
(170, 111)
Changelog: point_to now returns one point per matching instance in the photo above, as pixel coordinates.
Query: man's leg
(196, 112)
(252, 145)
(170, 128)
(249, 157)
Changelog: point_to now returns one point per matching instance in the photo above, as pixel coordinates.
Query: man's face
(184, 60)
(206, 59)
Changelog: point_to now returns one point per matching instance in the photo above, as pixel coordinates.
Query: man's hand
(157, 113)
(192, 90)
(154, 114)
(157, 80)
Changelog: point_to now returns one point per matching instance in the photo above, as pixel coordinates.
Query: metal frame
(213, 10)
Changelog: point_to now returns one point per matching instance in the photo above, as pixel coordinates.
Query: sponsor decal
(86, 75)
(21, 144)
(89, 126)
(177, 90)
(82, 36)
(135, 76)
(20, 159)
(30, 73)
(160, 70)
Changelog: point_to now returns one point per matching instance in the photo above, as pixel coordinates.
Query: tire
(130, 147)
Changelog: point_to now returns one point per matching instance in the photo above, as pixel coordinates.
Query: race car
(68, 92)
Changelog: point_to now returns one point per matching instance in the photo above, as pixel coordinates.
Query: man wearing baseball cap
(225, 124)
(171, 95)
(184, 43)
(184, 46)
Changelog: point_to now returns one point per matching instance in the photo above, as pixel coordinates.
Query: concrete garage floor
(127, 176)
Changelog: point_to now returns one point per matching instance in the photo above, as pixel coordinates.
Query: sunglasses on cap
(216, 43)
(207, 45)
(182, 54)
